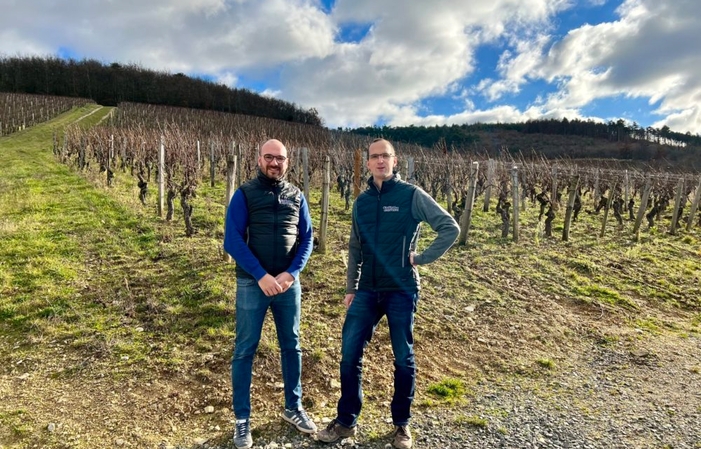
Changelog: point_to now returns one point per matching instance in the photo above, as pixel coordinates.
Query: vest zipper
(276, 193)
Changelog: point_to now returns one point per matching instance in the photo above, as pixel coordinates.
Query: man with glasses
(269, 234)
(382, 279)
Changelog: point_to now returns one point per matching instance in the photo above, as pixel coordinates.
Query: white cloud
(13, 43)
(644, 54)
(516, 69)
(227, 79)
(270, 93)
(412, 50)
(191, 36)
(497, 114)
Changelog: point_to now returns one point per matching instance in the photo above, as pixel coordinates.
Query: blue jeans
(362, 317)
(251, 307)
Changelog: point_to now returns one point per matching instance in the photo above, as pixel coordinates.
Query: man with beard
(382, 279)
(269, 235)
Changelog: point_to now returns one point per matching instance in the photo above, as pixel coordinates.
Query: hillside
(114, 83)
(116, 329)
(612, 143)
(631, 153)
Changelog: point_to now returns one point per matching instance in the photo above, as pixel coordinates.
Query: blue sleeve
(306, 240)
(234, 231)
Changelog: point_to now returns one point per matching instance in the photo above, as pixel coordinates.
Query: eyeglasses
(279, 159)
(384, 156)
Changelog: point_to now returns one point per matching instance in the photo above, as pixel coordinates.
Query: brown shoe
(402, 438)
(334, 431)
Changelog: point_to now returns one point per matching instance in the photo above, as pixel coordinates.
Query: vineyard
(116, 317)
(199, 147)
(18, 111)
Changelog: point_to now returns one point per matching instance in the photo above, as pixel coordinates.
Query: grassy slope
(114, 326)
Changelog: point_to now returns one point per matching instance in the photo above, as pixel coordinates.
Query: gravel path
(610, 397)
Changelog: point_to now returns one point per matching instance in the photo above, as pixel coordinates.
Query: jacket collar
(387, 184)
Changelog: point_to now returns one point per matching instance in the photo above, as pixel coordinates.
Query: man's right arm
(235, 230)
(425, 208)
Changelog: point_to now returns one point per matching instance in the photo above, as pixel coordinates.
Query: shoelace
(303, 415)
(401, 430)
(241, 429)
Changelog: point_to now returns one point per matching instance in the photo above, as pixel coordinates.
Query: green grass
(97, 289)
(548, 364)
(81, 264)
(473, 421)
(448, 389)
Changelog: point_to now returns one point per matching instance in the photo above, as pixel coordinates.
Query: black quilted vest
(273, 217)
(388, 232)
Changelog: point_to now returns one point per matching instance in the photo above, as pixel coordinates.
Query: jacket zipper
(377, 236)
(404, 251)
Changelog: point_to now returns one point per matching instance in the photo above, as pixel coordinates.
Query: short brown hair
(387, 143)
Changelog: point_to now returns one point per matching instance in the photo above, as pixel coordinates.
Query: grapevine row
(199, 145)
(19, 111)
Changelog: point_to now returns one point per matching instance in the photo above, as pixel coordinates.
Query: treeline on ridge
(110, 84)
(629, 141)
(461, 136)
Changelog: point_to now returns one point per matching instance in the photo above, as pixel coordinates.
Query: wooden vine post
(305, 171)
(553, 190)
(325, 192)
(410, 169)
(596, 187)
(448, 193)
(108, 165)
(212, 163)
(515, 195)
(54, 141)
(239, 165)
(199, 157)
(606, 212)
(570, 208)
(161, 177)
(677, 205)
(358, 158)
(231, 165)
(123, 156)
(466, 216)
(694, 207)
(490, 182)
(642, 209)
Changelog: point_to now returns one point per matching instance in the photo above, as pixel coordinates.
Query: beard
(276, 173)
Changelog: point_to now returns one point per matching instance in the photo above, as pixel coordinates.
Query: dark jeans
(362, 317)
(251, 307)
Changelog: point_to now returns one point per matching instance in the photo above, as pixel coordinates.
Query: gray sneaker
(242, 434)
(334, 431)
(300, 420)
(402, 438)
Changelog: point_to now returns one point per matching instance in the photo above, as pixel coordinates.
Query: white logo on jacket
(390, 208)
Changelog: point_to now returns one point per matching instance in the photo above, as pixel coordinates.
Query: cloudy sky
(398, 62)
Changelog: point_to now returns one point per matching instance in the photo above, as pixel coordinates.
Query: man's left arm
(425, 208)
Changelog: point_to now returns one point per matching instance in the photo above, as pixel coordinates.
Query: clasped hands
(272, 286)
